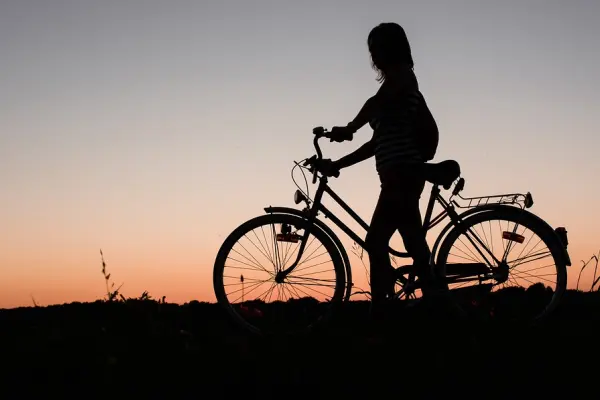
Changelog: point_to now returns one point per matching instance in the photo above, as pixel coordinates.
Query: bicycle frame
(317, 206)
(448, 210)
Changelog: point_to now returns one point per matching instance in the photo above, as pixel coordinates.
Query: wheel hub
(501, 272)
(279, 277)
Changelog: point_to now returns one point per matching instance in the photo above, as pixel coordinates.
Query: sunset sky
(151, 129)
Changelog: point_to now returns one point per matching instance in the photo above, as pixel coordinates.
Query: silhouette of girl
(405, 136)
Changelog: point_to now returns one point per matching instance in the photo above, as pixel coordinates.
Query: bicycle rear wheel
(525, 279)
(250, 257)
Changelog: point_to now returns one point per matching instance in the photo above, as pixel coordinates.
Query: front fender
(332, 236)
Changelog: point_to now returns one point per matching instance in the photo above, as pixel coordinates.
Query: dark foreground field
(143, 349)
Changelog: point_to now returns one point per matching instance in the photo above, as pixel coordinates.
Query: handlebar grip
(319, 131)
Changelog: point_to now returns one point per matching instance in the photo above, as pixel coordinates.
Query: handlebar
(319, 133)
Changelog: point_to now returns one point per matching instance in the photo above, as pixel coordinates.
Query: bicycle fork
(312, 215)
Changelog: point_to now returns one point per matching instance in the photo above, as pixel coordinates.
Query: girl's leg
(382, 227)
(410, 226)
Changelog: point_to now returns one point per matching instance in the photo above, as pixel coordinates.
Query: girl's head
(389, 48)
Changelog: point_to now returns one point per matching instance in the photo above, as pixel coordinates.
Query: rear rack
(522, 200)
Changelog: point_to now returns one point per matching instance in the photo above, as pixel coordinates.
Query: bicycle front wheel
(504, 265)
(249, 260)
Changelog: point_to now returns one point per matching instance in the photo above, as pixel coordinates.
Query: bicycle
(257, 317)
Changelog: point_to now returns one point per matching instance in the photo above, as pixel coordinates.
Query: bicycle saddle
(442, 173)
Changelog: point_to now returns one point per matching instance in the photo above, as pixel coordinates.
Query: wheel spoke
(318, 276)
(521, 240)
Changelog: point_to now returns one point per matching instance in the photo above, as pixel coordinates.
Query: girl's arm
(365, 151)
(365, 114)
(369, 109)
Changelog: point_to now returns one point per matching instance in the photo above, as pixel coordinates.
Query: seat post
(435, 191)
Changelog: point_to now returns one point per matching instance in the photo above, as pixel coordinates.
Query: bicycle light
(528, 200)
(299, 197)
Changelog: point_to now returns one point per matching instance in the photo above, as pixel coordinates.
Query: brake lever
(309, 160)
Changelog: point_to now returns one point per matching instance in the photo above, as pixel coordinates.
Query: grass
(140, 347)
(593, 260)
(145, 347)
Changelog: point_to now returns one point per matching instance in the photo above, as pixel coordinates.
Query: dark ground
(143, 349)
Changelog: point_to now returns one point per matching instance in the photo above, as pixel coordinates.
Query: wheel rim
(527, 282)
(250, 262)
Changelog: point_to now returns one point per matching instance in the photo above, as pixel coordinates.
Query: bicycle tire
(523, 218)
(301, 223)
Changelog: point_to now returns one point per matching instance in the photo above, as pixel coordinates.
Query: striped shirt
(394, 131)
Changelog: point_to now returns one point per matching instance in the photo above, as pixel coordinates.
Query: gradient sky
(151, 129)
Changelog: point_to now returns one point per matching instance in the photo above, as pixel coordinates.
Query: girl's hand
(327, 167)
(340, 133)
